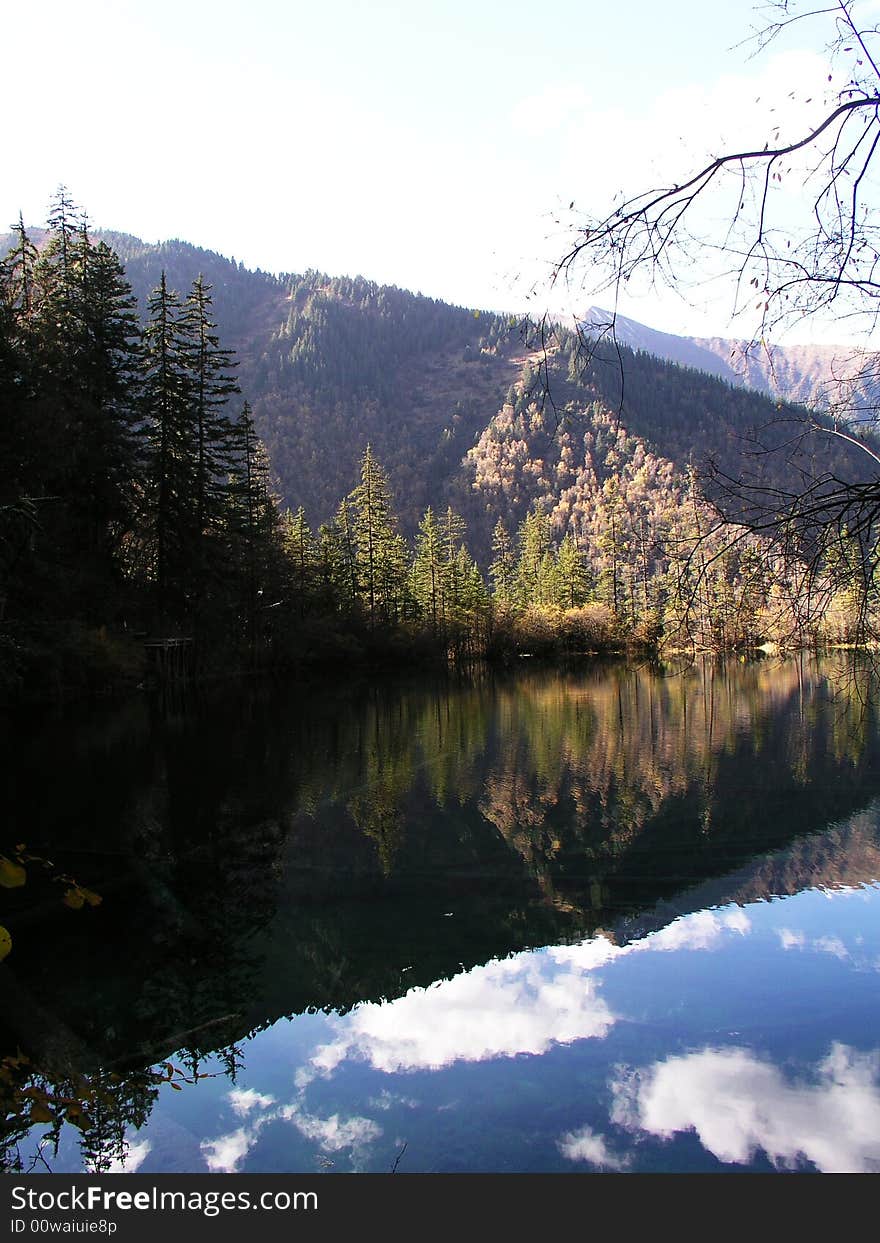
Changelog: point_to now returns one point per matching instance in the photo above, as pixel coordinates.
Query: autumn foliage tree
(824, 262)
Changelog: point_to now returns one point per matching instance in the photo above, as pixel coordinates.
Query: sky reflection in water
(655, 1052)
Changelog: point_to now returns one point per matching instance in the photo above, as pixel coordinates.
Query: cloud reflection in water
(739, 1104)
(524, 1004)
(736, 1101)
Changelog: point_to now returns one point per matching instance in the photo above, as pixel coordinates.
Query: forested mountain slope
(331, 364)
(460, 406)
(607, 452)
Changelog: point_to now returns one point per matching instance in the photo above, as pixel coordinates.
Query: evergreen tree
(393, 578)
(571, 575)
(503, 568)
(380, 559)
(300, 553)
(346, 553)
(428, 570)
(212, 385)
(612, 548)
(61, 259)
(469, 610)
(197, 452)
(533, 567)
(453, 536)
(333, 588)
(253, 522)
(71, 438)
(108, 439)
(173, 449)
(20, 442)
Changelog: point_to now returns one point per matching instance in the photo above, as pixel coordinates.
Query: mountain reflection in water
(386, 864)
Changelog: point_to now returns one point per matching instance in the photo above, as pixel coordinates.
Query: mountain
(464, 408)
(818, 376)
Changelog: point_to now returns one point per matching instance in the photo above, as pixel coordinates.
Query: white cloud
(701, 931)
(498, 1010)
(387, 1100)
(585, 1145)
(523, 1004)
(833, 946)
(224, 1154)
(586, 955)
(736, 920)
(739, 1105)
(244, 1100)
(332, 1134)
(790, 939)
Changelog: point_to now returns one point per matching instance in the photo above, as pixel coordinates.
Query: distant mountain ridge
(816, 376)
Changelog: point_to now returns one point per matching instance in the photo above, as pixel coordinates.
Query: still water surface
(609, 919)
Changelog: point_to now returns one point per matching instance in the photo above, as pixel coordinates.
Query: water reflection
(398, 852)
(522, 1004)
(739, 1103)
(586, 1146)
(401, 1064)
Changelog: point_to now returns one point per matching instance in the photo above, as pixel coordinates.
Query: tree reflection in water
(283, 850)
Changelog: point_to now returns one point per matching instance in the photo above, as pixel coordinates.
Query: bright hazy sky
(423, 143)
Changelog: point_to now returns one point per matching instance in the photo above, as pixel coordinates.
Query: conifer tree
(20, 443)
(453, 535)
(300, 553)
(533, 568)
(503, 568)
(74, 431)
(395, 594)
(380, 562)
(343, 532)
(254, 518)
(109, 446)
(428, 570)
(333, 593)
(198, 453)
(470, 607)
(212, 385)
(18, 266)
(612, 547)
(571, 585)
(62, 255)
(173, 447)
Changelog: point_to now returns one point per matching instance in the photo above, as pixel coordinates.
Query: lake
(605, 918)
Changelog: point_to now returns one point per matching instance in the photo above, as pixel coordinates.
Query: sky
(429, 144)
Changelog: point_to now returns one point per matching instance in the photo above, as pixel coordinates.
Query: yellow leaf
(39, 1113)
(93, 899)
(5, 943)
(12, 875)
(73, 898)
